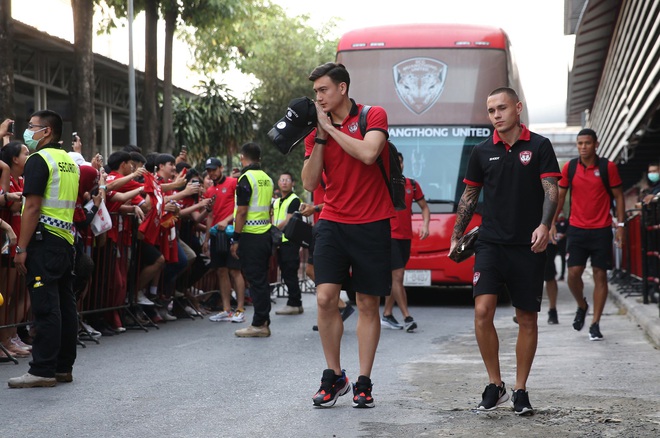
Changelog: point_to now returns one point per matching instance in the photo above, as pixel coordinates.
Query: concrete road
(195, 378)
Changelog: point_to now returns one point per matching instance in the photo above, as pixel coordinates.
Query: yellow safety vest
(258, 216)
(61, 193)
(280, 208)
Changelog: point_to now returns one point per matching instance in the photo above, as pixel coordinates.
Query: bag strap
(362, 123)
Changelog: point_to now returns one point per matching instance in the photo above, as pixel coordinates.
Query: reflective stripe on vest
(258, 215)
(280, 209)
(61, 192)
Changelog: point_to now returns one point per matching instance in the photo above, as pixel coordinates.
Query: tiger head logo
(419, 82)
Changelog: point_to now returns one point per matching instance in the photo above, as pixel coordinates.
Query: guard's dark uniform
(52, 174)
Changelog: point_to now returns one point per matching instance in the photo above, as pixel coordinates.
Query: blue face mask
(29, 141)
(654, 177)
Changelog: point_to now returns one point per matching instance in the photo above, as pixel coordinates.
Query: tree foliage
(214, 124)
(281, 52)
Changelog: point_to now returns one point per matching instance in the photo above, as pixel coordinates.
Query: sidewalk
(647, 316)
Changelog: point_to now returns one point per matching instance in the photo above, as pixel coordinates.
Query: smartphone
(10, 128)
(184, 148)
(73, 137)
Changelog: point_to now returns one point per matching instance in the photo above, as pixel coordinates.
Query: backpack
(396, 182)
(604, 176)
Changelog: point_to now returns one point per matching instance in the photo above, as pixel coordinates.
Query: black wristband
(317, 208)
(320, 140)
(236, 236)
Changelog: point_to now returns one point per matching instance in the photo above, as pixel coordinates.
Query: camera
(10, 128)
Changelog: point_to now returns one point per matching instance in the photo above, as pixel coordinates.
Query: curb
(647, 316)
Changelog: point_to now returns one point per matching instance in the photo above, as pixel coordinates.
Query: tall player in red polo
(353, 233)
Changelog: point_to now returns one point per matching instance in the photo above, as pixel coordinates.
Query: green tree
(191, 14)
(82, 86)
(281, 52)
(213, 124)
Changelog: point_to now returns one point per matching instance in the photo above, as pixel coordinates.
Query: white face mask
(29, 141)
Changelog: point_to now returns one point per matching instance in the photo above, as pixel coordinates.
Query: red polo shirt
(401, 224)
(223, 191)
(590, 202)
(355, 193)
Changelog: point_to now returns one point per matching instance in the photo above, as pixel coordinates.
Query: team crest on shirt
(596, 172)
(224, 190)
(475, 278)
(353, 127)
(525, 157)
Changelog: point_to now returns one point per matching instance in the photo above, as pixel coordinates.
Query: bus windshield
(436, 157)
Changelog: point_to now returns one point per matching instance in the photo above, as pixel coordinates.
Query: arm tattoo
(550, 200)
(465, 210)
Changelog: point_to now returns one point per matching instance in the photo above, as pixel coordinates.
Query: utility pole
(132, 112)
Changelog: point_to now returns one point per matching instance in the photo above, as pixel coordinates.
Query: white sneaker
(190, 311)
(167, 316)
(194, 291)
(88, 330)
(16, 341)
(143, 300)
(221, 317)
(178, 294)
(238, 316)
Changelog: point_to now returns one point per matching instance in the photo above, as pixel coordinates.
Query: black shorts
(512, 267)
(400, 253)
(222, 259)
(550, 268)
(310, 250)
(582, 244)
(354, 255)
(148, 254)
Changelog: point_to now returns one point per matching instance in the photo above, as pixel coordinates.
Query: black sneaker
(362, 393)
(492, 397)
(580, 315)
(521, 405)
(347, 311)
(332, 387)
(594, 332)
(390, 322)
(409, 324)
(552, 317)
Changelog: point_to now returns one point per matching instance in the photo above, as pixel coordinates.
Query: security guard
(288, 253)
(45, 253)
(254, 193)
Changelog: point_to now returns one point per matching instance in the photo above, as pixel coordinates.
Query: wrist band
(103, 187)
(6, 200)
(236, 236)
(317, 208)
(320, 140)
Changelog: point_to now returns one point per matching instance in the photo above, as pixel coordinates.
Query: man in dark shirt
(518, 171)
(44, 254)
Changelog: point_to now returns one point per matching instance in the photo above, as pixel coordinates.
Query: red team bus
(433, 81)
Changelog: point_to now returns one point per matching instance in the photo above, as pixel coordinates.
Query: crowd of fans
(141, 238)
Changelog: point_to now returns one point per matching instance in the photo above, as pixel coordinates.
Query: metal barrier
(639, 270)
(111, 290)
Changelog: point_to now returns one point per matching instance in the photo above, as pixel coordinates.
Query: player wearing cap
(221, 215)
